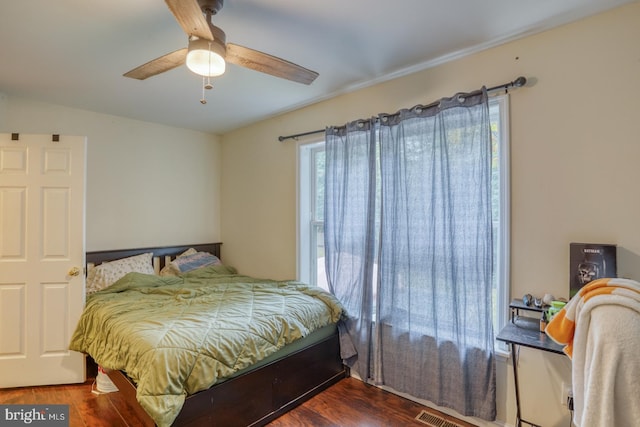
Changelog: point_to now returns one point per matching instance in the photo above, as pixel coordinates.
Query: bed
(254, 395)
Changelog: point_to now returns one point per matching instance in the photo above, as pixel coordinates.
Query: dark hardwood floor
(352, 403)
(349, 403)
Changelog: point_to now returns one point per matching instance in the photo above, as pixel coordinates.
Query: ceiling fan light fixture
(208, 50)
(206, 58)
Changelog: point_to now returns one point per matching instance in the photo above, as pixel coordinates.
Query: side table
(524, 331)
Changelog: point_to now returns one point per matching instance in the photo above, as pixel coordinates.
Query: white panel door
(42, 198)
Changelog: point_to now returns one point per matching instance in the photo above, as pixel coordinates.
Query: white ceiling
(74, 52)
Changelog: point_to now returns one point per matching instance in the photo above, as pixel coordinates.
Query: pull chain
(203, 100)
(206, 83)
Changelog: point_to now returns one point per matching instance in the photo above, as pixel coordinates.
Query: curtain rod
(519, 82)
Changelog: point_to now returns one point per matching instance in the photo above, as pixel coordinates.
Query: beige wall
(147, 184)
(575, 175)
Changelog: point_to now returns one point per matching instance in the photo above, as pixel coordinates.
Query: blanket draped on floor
(175, 336)
(600, 328)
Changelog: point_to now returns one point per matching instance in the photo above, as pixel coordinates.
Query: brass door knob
(73, 271)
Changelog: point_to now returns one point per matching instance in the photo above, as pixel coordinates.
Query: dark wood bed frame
(251, 399)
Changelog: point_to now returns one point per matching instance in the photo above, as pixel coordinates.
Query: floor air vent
(434, 420)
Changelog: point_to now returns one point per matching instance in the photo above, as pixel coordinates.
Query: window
(311, 214)
(311, 204)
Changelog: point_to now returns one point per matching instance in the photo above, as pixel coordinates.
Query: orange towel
(562, 327)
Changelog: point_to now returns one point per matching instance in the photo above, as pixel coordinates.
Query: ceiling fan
(208, 50)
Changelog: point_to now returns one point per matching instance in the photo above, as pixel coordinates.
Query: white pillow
(107, 273)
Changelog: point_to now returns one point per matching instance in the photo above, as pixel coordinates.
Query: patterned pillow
(190, 262)
(170, 270)
(107, 273)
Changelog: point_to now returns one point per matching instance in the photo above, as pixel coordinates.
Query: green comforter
(175, 336)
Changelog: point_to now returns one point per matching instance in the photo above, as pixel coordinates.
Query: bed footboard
(256, 397)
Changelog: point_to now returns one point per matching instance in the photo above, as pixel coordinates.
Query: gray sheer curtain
(351, 180)
(418, 285)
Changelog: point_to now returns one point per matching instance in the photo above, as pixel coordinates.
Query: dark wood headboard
(161, 253)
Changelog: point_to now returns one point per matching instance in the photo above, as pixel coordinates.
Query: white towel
(600, 327)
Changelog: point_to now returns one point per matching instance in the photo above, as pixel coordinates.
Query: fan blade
(269, 64)
(190, 17)
(159, 65)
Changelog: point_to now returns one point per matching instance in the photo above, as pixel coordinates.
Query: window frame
(503, 270)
